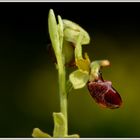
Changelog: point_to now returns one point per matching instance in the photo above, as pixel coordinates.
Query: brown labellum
(104, 94)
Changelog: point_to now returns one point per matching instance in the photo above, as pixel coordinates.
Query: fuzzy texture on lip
(104, 94)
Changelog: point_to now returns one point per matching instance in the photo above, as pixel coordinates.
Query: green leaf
(79, 78)
(37, 133)
(59, 125)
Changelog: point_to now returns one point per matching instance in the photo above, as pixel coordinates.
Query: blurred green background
(28, 78)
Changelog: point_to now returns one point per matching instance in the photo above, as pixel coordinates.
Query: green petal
(79, 78)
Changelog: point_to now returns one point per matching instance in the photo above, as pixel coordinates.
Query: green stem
(56, 36)
(62, 92)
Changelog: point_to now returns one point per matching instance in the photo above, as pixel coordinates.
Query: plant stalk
(62, 91)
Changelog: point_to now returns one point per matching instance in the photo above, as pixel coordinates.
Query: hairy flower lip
(104, 94)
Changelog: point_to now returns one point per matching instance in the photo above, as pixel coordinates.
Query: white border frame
(70, 1)
(85, 1)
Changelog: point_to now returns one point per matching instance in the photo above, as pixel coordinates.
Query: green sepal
(71, 35)
(72, 30)
(37, 133)
(59, 125)
(79, 78)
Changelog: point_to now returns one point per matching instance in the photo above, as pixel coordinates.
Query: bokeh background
(28, 78)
